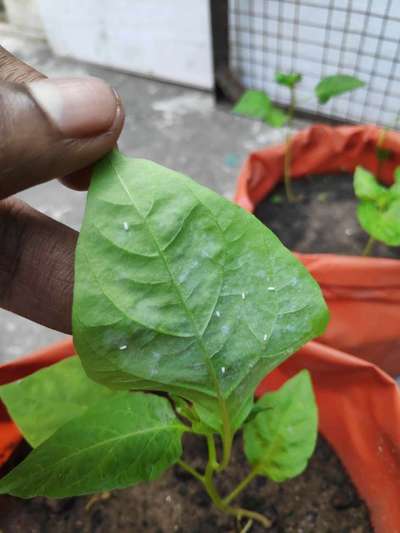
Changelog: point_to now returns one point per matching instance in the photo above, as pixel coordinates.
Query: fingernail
(78, 107)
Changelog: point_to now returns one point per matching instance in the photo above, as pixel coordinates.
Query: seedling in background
(378, 211)
(257, 104)
(177, 291)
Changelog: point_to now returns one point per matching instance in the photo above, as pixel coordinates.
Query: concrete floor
(175, 126)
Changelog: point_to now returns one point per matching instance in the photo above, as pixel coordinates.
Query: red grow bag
(351, 364)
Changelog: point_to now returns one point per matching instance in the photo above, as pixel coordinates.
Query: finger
(36, 265)
(15, 70)
(51, 128)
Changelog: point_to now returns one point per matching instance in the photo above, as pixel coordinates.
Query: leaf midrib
(175, 285)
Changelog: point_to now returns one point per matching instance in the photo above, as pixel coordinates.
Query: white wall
(166, 39)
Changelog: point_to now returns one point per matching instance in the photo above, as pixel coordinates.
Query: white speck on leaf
(243, 295)
(265, 337)
(270, 288)
(223, 369)
(217, 313)
(126, 226)
(123, 347)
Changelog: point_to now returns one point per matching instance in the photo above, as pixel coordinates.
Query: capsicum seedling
(177, 291)
(257, 104)
(378, 211)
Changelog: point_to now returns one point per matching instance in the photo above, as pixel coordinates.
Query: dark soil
(321, 500)
(322, 221)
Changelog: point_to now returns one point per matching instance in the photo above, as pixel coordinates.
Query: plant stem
(242, 485)
(368, 247)
(191, 470)
(227, 436)
(247, 527)
(212, 454)
(288, 150)
(245, 513)
(237, 512)
(379, 145)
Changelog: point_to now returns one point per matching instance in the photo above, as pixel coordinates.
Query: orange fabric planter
(351, 364)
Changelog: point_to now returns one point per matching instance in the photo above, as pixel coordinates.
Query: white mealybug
(223, 369)
(265, 337)
(126, 226)
(217, 313)
(243, 295)
(270, 288)
(123, 347)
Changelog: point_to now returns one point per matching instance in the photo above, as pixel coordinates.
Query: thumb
(51, 128)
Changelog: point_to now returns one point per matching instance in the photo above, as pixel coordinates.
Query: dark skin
(37, 252)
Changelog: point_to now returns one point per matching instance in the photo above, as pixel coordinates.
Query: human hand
(48, 129)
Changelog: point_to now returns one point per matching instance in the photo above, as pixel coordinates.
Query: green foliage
(196, 297)
(178, 291)
(279, 440)
(122, 440)
(378, 211)
(44, 401)
(257, 104)
(335, 85)
(289, 80)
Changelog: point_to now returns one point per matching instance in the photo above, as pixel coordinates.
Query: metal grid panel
(319, 38)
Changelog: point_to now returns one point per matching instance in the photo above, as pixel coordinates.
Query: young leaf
(289, 80)
(46, 400)
(332, 86)
(253, 104)
(179, 290)
(122, 440)
(378, 211)
(257, 104)
(279, 440)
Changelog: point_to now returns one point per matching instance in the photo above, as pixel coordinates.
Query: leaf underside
(179, 290)
(378, 211)
(280, 439)
(120, 441)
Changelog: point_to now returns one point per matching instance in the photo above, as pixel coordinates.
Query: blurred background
(180, 64)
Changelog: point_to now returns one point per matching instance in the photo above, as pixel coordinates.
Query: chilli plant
(257, 104)
(182, 303)
(378, 211)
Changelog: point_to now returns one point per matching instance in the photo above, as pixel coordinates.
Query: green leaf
(257, 104)
(123, 440)
(335, 85)
(46, 400)
(279, 441)
(366, 186)
(275, 117)
(290, 79)
(378, 211)
(253, 104)
(179, 290)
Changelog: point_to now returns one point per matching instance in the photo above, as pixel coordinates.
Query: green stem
(368, 247)
(237, 512)
(242, 485)
(287, 161)
(191, 471)
(247, 527)
(379, 145)
(212, 454)
(227, 436)
(253, 515)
